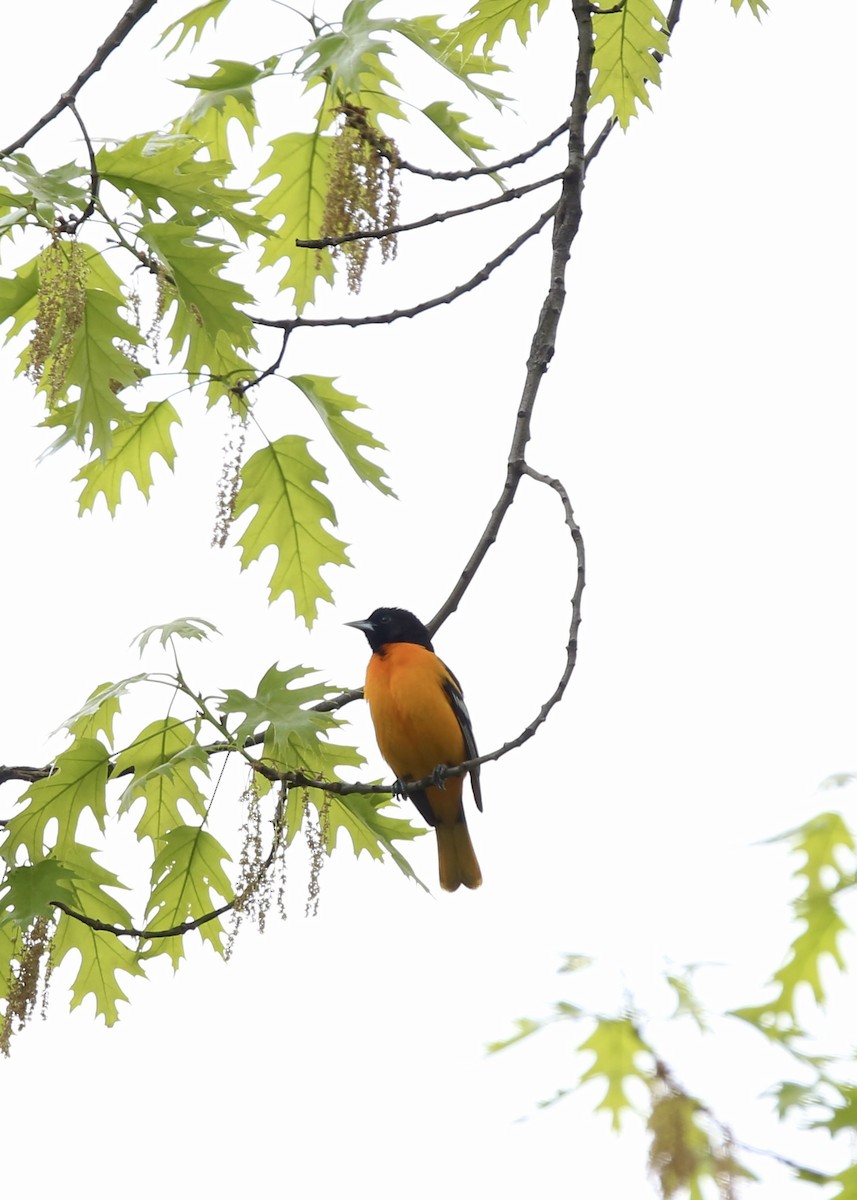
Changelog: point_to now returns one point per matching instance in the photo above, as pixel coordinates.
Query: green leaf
(575, 962)
(190, 628)
(8, 950)
(97, 714)
(847, 1179)
(623, 60)
(100, 369)
(188, 882)
(828, 846)
(279, 481)
(332, 406)
(76, 785)
(488, 19)
(101, 954)
(134, 444)
(296, 204)
(616, 1045)
(224, 96)
(19, 297)
(819, 938)
(687, 1003)
(757, 7)
(96, 365)
(208, 316)
(160, 760)
(789, 1095)
(524, 1027)
(279, 707)
(369, 829)
(160, 170)
(778, 1026)
(29, 892)
(193, 23)
(451, 124)
(452, 51)
(348, 59)
(51, 190)
(844, 1115)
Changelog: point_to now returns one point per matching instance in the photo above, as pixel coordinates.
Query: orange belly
(415, 725)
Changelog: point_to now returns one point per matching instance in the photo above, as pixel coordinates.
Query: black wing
(453, 690)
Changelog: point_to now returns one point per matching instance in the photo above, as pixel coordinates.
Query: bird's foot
(438, 776)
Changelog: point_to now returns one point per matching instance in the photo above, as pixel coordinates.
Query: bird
(421, 724)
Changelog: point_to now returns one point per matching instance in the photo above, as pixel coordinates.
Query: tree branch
(473, 172)
(134, 13)
(290, 323)
(434, 219)
(72, 225)
(566, 225)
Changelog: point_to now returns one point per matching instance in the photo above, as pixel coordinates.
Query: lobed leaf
(451, 125)
(296, 204)
(101, 954)
(30, 891)
(616, 1045)
(188, 881)
(160, 761)
(134, 445)
(162, 170)
(487, 20)
(209, 325)
(97, 714)
(77, 784)
(333, 406)
(279, 482)
(193, 24)
(623, 59)
(191, 628)
(225, 96)
(280, 708)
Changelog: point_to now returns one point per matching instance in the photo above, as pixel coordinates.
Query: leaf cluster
(687, 1142)
(160, 782)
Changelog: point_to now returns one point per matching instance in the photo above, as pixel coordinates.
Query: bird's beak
(363, 626)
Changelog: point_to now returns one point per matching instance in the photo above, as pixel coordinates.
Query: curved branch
(185, 926)
(135, 13)
(290, 323)
(473, 172)
(72, 225)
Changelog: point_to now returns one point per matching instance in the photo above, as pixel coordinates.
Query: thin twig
(472, 172)
(387, 318)
(113, 41)
(185, 926)
(72, 225)
(434, 219)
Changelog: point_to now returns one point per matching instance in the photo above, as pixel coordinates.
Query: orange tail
(456, 859)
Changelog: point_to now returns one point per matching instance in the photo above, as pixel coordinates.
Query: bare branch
(434, 219)
(566, 225)
(134, 13)
(472, 172)
(72, 225)
(387, 318)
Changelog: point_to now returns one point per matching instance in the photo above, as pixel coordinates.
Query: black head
(393, 625)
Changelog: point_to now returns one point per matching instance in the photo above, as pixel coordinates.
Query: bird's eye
(384, 620)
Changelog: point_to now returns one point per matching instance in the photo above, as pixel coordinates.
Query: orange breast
(415, 724)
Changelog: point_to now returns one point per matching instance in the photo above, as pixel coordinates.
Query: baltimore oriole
(421, 723)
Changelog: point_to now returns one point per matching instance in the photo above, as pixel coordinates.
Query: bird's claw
(438, 776)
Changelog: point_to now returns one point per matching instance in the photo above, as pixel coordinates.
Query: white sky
(701, 413)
